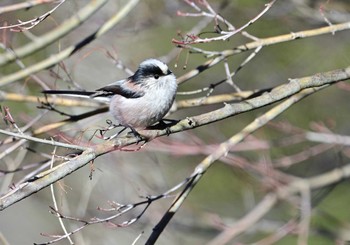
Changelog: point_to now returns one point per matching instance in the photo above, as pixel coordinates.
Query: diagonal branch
(297, 88)
(221, 56)
(221, 151)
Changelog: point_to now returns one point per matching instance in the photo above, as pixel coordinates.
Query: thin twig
(27, 25)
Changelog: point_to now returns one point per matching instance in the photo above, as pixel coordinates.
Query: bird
(138, 101)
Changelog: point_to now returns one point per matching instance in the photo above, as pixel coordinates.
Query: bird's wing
(126, 88)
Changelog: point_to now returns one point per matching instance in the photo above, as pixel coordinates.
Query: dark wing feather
(125, 88)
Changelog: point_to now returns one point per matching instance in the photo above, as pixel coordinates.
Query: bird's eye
(156, 76)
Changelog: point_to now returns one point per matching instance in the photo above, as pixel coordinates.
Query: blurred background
(227, 191)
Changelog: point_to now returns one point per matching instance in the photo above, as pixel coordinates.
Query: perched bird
(138, 101)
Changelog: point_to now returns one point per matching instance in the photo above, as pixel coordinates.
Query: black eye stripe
(152, 71)
(148, 71)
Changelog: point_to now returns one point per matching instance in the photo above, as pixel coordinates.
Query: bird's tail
(79, 94)
(69, 92)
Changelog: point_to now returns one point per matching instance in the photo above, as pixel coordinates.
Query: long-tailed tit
(140, 100)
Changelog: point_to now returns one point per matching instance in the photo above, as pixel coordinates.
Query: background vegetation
(240, 64)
